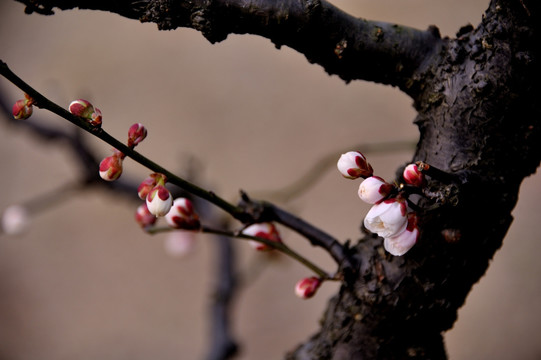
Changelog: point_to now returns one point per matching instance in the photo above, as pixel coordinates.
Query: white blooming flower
(374, 189)
(388, 218)
(400, 244)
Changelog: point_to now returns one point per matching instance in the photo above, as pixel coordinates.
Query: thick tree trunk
(479, 119)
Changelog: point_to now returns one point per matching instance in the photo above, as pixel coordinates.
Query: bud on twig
(144, 217)
(353, 165)
(263, 230)
(85, 109)
(136, 134)
(182, 215)
(307, 287)
(374, 190)
(159, 201)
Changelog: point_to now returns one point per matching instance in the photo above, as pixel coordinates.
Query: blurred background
(84, 282)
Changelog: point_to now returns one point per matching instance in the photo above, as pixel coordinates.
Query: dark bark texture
(479, 119)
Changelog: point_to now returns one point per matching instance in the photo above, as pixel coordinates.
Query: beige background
(85, 283)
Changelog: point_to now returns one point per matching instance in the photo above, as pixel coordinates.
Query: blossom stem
(277, 246)
(274, 244)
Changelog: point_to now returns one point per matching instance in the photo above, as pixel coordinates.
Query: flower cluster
(390, 216)
(22, 109)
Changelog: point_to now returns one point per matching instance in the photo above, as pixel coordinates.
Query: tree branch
(350, 47)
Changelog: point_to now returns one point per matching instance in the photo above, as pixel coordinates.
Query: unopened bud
(413, 176)
(22, 109)
(149, 183)
(374, 190)
(182, 215)
(111, 167)
(85, 109)
(136, 134)
(266, 231)
(144, 217)
(307, 287)
(353, 165)
(159, 201)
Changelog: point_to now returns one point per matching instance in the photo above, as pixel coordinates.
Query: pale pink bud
(387, 218)
(136, 134)
(22, 109)
(15, 219)
(182, 215)
(86, 110)
(263, 230)
(307, 287)
(374, 189)
(111, 167)
(144, 217)
(353, 165)
(179, 243)
(413, 176)
(400, 244)
(159, 201)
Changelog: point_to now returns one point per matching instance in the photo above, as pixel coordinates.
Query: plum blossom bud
(149, 184)
(179, 243)
(374, 189)
(136, 134)
(111, 167)
(86, 110)
(182, 215)
(387, 218)
(15, 219)
(159, 201)
(413, 176)
(353, 165)
(265, 230)
(307, 287)
(22, 109)
(400, 244)
(144, 217)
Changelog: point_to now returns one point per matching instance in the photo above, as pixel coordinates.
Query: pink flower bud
(111, 167)
(307, 287)
(374, 189)
(136, 134)
(413, 176)
(179, 243)
(353, 165)
(387, 218)
(86, 110)
(182, 215)
(144, 217)
(22, 109)
(81, 108)
(400, 244)
(263, 230)
(149, 183)
(159, 201)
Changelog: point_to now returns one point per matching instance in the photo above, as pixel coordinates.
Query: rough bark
(479, 120)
